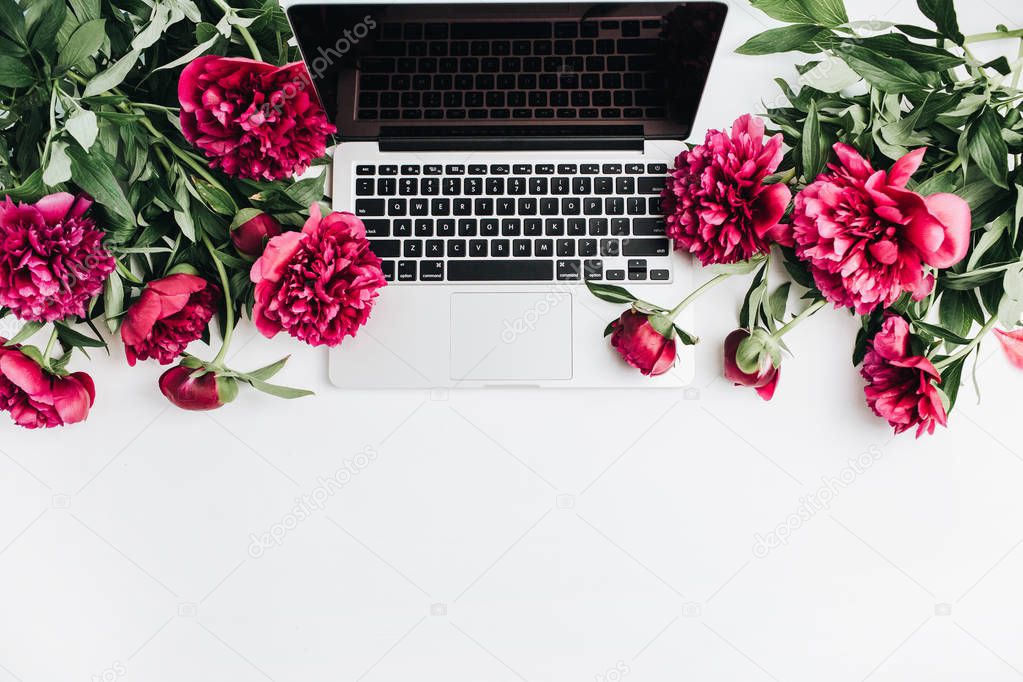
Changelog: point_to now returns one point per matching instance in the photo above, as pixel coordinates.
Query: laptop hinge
(511, 138)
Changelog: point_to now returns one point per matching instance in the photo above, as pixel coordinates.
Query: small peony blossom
(717, 205)
(184, 389)
(253, 120)
(36, 399)
(251, 237)
(867, 239)
(170, 314)
(641, 345)
(764, 381)
(52, 258)
(320, 284)
(901, 387)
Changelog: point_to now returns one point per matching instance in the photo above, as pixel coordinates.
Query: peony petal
(1012, 344)
(315, 216)
(71, 400)
(852, 161)
(769, 207)
(181, 283)
(55, 206)
(23, 372)
(276, 256)
(884, 251)
(767, 390)
(954, 214)
(140, 318)
(905, 167)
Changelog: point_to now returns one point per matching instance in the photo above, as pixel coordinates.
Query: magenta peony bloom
(867, 239)
(763, 382)
(250, 237)
(170, 314)
(641, 345)
(254, 120)
(36, 399)
(184, 389)
(900, 387)
(716, 204)
(319, 284)
(52, 259)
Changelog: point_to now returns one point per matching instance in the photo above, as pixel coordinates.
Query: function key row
(512, 169)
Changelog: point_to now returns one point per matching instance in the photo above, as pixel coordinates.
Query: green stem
(674, 312)
(229, 304)
(1018, 68)
(968, 348)
(246, 36)
(994, 35)
(49, 348)
(807, 312)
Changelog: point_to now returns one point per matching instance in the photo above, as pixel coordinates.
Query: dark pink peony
(196, 390)
(764, 381)
(170, 314)
(251, 236)
(717, 205)
(52, 258)
(901, 387)
(867, 239)
(641, 345)
(36, 399)
(319, 285)
(254, 120)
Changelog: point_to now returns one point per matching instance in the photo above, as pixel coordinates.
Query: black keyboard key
(598, 227)
(410, 170)
(446, 227)
(543, 248)
(406, 271)
(418, 207)
(656, 168)
(511, 227)
(614, 206)
(385, 248)
(377, 227)
(434, 248)
(532, 227)
(650, 185)
(500, 248)
(620, 228)
(451, 186)
(569, 270)
(364, 170)
(565, 247)
(364, 187)
(592, 206)
(478, 248)
(522, 248)
(587, 247)
(395, 207)
(412, 248)
(402, 227)
(388, 269)
(467, 227)
(498, 30)
(489, 227)
(615, 275)
(659, 275)
(609, 248)
(369, 207)
(500, 270)
(645, 247)
(423, 227)
(454, 169)
(634, 168)
(625, 185)
(593, 270)
(456, 248)
(576, 227)
(477, 169)
(648, 227)
(431, 271)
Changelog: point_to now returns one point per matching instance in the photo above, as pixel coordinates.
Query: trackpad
(511, 336)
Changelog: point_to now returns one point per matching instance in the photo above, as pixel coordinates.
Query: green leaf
(83, 43)
(278, 391)
(26, 332)
(957, 311)
(779, 300)
(113, 301)
(93, 173)
(74, 338)
(923, 57)
(12, 22)
(42, 32)
(886, 73)
(610, 293)
(943, 14)
(740, 268)
(988, 149)
(113, 76)
(609, 328)
(941, 333)
(822, 12)
(83, 127)
(306, 192)
(268, 372)
(244, 216)
(783, 39)
(813, 145)
(29, 190)
(183, 217)
(951, 380)
(14, 73)
(215, 197)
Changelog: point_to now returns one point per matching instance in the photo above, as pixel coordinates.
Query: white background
(525, 535)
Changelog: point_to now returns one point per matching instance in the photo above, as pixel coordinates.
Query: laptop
(502, 155)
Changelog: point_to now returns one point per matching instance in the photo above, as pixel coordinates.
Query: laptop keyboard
(527, 71)
(523, 222)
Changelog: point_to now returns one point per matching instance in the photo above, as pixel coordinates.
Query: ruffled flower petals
(904, 168)
(954, 214)
(769, 207)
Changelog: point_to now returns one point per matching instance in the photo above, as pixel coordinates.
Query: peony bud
(207, 392)
(641, 344)
(744, 350)
(251, 231)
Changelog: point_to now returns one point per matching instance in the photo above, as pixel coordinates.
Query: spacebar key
(500, 271)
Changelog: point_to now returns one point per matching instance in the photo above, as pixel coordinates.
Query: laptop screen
(498, 68)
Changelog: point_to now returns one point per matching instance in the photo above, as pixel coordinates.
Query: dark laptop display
(483, 71)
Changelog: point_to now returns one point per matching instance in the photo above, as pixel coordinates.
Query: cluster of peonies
(864, 237)
(252, 120)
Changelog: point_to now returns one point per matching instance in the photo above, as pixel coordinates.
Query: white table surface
(529, 535)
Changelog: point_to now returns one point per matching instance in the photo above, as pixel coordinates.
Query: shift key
(645, 247)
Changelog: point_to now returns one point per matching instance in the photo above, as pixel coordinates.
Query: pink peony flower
(900, 387)
(52, 259)
(36, 399)
(716, 204)
(763, 382)
(170, 314)
(184, 389)
(1012, 344)
(867, 239)
(641, 345)
(254, 120)
(319, 284)
(250, 237)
